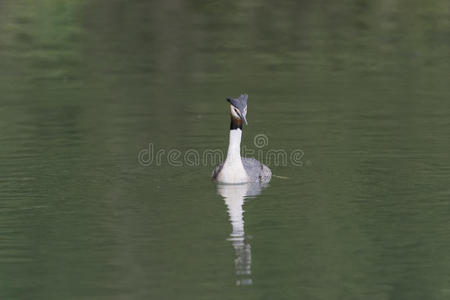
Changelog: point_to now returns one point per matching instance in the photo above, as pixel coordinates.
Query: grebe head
(238, 107)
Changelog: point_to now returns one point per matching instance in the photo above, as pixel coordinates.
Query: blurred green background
(361, 87)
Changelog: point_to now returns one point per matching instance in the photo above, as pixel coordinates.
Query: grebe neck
(234, 146)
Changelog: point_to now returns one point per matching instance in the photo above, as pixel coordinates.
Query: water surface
(362, 88)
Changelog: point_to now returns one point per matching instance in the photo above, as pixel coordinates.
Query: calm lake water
(362, 88)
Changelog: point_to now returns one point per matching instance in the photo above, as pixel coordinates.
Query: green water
(362, 88)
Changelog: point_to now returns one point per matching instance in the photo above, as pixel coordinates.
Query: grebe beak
(243, 118)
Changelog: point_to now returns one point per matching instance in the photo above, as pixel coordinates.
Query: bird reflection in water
(234, 196)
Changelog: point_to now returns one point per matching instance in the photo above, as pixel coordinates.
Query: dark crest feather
(240, 103)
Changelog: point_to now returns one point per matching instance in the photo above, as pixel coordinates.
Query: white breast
(233, 170)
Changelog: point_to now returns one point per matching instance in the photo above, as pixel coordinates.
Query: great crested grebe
(235, 169)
